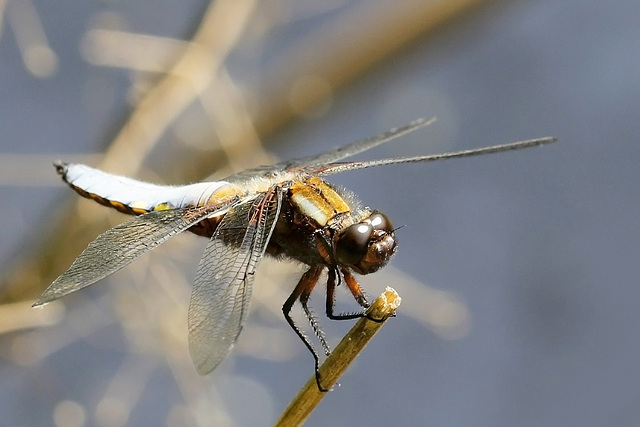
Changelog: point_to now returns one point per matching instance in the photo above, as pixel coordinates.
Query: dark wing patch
(224, 281)
(119, 246)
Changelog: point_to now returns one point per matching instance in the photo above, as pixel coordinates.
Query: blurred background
(518, 271)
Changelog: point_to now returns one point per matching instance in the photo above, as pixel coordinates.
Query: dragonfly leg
(357, 293)
(355, 289)
(331, 298)
(313, 321)
(305, 285)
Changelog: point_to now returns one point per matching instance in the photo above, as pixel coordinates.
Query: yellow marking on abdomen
(163, 207)
(133, 209)
(223, 194)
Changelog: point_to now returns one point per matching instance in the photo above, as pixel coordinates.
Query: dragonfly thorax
(322, 225)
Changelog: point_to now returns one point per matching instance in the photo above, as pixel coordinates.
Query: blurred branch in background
(324, 55)
(194, 73)
(38, 57)
(221, 25)
(325, 60)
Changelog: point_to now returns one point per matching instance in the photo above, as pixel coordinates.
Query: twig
(344, 354)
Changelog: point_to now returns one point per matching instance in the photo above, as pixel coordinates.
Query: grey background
(542, 245)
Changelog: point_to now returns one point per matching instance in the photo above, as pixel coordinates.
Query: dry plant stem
(344, 354)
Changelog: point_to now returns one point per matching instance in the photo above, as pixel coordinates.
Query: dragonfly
(287, 210)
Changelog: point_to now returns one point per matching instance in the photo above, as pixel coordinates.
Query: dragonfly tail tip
(61, 167)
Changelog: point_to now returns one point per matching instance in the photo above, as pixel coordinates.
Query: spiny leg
(307, 282)
(313, 321)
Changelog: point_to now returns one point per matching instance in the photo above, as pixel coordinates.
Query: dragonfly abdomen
(135, 197)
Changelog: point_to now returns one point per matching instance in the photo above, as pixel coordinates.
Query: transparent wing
(222, 291)
(354, 148)
(119, 246)
(334, 168)
(311, 162)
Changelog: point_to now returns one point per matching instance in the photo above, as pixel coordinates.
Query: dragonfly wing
(310, 163)
(224, 280)
(119, 246)
(333, 168)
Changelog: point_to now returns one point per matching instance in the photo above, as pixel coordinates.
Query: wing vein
(224, 281)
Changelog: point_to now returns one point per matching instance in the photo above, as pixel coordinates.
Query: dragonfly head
(367, 245)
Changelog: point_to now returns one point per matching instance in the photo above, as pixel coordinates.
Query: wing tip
(412, 126)
(203, 370)
(45, 299)
(40, 303)
(423, 121)
(203, 361)
(49, 295)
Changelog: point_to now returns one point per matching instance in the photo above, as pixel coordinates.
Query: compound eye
(380, 221)
(353, 244)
